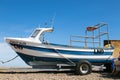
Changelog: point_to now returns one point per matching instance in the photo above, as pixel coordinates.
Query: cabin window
(35, 33)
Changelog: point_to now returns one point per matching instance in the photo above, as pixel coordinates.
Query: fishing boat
(35, 51)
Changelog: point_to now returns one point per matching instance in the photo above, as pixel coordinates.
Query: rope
(64, 56)
(9, 60)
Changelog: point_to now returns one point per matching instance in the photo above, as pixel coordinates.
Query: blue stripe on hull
(28, 58)
(62, 51)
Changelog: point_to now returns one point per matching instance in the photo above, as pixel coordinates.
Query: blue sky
(18, 18)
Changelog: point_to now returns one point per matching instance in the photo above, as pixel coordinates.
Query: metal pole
(86, 38)
(70, 41)
(108, 35)
(93, 40)
(99, 38)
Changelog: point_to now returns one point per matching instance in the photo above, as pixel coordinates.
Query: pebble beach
(56, 76)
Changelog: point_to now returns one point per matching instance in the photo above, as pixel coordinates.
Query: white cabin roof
(37, 33)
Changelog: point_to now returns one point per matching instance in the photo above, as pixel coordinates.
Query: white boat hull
(52, 54)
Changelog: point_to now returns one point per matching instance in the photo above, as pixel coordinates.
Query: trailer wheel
(83, 67)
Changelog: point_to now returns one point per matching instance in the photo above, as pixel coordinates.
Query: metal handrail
(82, 41)
(98, 26)
(83, 36)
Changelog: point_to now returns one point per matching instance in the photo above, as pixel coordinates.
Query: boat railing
(82, 41)
(97, 31)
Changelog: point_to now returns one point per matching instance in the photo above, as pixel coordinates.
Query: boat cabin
(38, 34)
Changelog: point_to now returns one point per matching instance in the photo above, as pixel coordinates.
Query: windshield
(35, 33)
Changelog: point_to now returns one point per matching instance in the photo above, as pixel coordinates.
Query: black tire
(108, 67)
(83, 67)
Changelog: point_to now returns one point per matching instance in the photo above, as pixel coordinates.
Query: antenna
(52, 20)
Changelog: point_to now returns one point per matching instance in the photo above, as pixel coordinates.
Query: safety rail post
(108, 35)
(99, 37)
(70, 41)
(86, 38)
